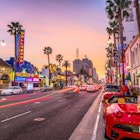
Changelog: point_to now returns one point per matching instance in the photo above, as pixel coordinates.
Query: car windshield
(125, 99)
(112, 87)
(10, 88)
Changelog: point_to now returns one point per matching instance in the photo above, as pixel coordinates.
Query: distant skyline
(64, 25)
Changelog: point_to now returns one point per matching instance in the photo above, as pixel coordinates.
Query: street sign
(117, 55)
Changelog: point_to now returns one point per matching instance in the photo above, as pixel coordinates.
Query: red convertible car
(108, 94)
(122, 118)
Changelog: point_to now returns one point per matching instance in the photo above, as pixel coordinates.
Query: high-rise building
(77, 65)
(84, 64)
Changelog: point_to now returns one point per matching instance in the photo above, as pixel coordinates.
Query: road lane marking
(37, 102)
(82, 130)
(19, 115)
(61, 100)
(96, 123)
(39, 119)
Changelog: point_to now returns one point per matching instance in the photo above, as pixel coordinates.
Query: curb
(84, 130)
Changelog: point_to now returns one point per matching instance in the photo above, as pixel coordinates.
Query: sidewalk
(86, 128)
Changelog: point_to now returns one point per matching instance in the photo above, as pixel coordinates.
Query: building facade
(132, 55)
(130, 24)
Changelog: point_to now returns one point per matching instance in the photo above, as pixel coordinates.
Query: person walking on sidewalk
(125, 89)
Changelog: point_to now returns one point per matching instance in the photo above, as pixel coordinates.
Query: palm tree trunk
(49, 68)
(121, 41)
(48, 60)
(114, 35)
(15, 56)
(66, 76)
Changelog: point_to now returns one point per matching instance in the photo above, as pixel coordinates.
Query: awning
(128, 77)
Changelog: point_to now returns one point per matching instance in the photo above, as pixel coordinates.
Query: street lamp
(3, 42)
(109, 40)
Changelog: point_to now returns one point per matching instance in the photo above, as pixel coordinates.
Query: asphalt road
(43, 116)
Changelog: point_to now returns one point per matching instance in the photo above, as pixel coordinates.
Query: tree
(113, 30)
(15, 28)
(59, 58)
(66, 64)
(48, 51)
(117, 9)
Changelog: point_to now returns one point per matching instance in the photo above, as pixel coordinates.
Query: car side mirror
(103, 101)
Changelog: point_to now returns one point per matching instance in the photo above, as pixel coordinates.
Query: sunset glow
(64, 25)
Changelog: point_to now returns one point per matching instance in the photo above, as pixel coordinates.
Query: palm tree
(66, 64)
(15, 29)
(117, 9)
(59, 58)
(113, 30)
(48, 51)
(136, 3)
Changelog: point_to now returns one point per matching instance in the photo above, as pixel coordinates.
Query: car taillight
(119, 114)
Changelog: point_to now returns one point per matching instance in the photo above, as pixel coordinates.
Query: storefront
(27, 80)
(5, 74)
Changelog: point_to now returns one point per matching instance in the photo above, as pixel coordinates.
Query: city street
(70, 70)
(44, 116)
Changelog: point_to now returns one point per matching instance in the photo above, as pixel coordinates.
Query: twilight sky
(64, 25)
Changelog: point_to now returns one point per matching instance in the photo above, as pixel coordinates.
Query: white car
(83, 87)
(91, 88)
(12, 90)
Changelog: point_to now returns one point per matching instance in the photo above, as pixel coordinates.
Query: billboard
(19, 50)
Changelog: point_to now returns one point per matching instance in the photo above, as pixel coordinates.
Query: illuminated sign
(20, 46)
(19, 78)
(35, 79)
(52, 68)
(30, 79)
(23, 74)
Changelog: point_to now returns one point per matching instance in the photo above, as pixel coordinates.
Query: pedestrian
(125, 89)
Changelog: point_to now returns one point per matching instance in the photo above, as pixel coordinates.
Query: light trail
(27, 101)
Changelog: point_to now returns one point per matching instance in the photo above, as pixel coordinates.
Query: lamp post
(3, 42)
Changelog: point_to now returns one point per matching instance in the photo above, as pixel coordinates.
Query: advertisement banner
(21, 48)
